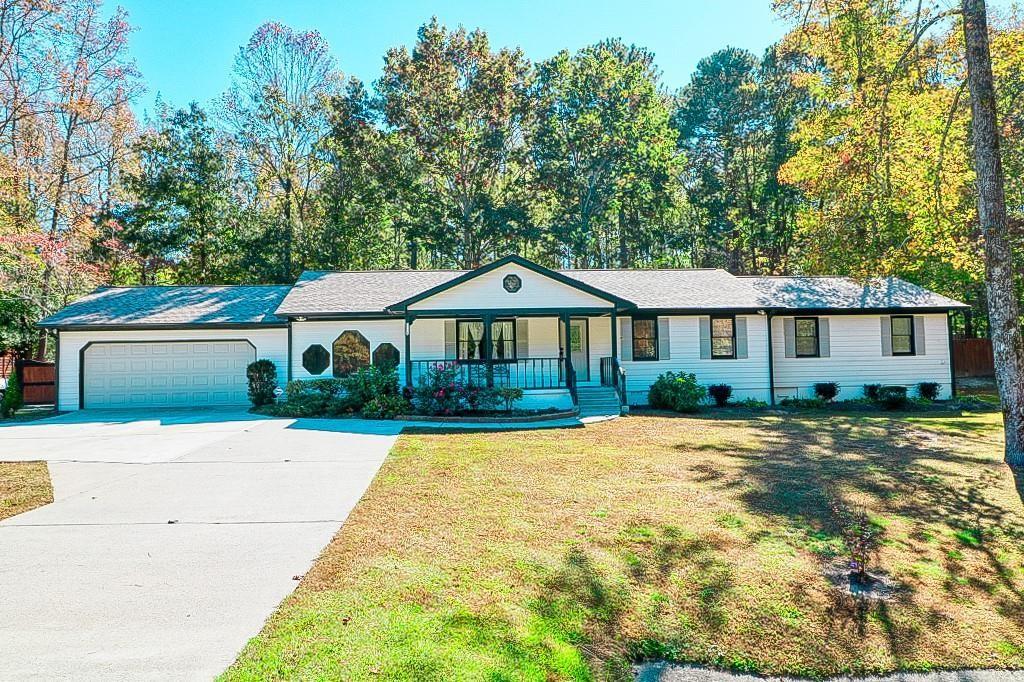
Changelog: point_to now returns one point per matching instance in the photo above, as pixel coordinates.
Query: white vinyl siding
(305, 334)
(748, 376)
(486, 292)
(855, 357)
(271, 344)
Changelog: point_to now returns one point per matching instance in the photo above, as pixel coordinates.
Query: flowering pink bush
(442, 392)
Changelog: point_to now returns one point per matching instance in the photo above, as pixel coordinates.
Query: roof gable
(483, 288)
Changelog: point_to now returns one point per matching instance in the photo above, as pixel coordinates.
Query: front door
(579, 348)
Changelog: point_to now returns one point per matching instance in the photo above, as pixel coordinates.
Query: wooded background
(843, 149)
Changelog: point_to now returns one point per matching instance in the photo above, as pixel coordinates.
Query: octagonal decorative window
(315, 359)
(351, 352)
(512, 283)
(385, 356)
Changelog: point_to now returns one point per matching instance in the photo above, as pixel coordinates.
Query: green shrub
(481, 398)
(305, 405)
(386, 407)
(826, 390)
(13, 399)
(929, 390)
(368, 383)
(720, 393)
(871, 391)
(262, 376)
(510, 395)
(328, 388)
(893, 397)
(677, 391)
(752, 404)
(439, 391)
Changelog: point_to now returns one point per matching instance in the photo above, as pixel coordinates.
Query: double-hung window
(503, 340)
(806, 337)
(902, 334)
(645, 338)
(723, 337)
(471, 340)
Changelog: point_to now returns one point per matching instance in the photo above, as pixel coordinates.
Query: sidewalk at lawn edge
(674, 672)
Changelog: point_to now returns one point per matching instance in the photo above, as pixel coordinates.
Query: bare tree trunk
(1003, 307)
(624, 261)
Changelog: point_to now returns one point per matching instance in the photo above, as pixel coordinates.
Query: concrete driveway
(172, 537)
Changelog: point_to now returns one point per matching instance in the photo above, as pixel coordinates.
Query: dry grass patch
(569, 554)
(23, 486)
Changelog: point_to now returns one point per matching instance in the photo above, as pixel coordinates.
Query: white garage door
(173, 373)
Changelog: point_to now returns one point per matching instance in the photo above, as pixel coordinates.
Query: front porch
(548, 355)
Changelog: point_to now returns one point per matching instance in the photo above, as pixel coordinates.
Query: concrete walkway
(172, 537)
(668, 672)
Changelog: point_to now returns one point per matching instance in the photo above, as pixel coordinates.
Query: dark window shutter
(741, 337)
(626, 340)
(920, 346)
(705, 337)
(824, 338)
(664, 340)
(450, 340)
(522, 337)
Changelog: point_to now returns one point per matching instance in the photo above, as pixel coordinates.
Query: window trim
(326, 367)
(817, 338)
(657, 340)
(494, 359)
(514, 340)
(711, 331)
(912, 336)
(334, 353)
(458, 339)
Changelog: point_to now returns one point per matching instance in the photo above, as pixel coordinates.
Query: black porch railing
(525, 373)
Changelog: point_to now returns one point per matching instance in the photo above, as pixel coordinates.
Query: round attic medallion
(512, 283)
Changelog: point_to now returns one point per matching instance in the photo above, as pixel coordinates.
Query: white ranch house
(564, 336)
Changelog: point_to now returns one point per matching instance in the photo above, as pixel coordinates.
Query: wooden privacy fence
(973, 358)
(38, 386)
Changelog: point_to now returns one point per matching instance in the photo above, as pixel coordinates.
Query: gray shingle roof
(843, 292)
(367, 291)
(167, 305)
(678, 289)
(373, 291)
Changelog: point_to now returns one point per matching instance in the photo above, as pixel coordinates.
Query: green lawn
(23, 486)
(568, 554)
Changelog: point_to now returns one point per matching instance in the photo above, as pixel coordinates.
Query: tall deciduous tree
(603, 143)
(182, 209)
(70, 79)
(276, 108)
(891, 164)
(735, 118)
(373, 192)
(462, 109)
(1004, 310)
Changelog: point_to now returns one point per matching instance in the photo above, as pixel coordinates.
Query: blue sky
(185, 48)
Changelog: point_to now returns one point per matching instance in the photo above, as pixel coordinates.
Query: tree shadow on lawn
(898, 470)
(590, 603)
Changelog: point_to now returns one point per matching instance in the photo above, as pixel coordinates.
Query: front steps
(598, 401)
